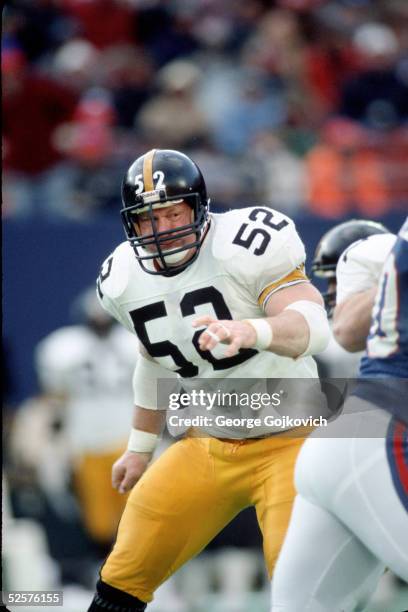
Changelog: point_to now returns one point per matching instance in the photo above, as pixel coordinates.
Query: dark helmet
(331, 246)
(157, 179)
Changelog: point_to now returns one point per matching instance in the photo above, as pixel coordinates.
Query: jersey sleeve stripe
(293, 278)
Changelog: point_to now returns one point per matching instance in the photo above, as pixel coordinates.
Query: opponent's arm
(352, 319)
(358, 272)
(295, 325)
(147, 426)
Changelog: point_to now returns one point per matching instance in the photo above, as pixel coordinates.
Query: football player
(87, 366)
(220, 296)
(353, 491)
(358, 272)
(333, 245)
(350, 256)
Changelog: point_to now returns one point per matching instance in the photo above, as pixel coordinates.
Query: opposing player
(210, 296)
(350, 257)
(336, 243)
(358, 272)
(353, 491)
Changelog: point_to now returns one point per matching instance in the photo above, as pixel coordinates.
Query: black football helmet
(331, 246)
(157, 179)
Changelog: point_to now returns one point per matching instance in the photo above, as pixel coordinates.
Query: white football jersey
(246, 256)
(95, 375)
(359, 267)
(339, 363)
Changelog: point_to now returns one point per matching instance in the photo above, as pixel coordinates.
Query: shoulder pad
(257, 247)
(249, 233)
(360, 266)
(373, 249)
(114, 274)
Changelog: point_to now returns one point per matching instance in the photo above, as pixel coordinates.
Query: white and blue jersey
(386, 357)
(387, 343)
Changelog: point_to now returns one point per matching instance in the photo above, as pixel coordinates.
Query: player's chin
(171, 254)
(176, 258)
(171, 261)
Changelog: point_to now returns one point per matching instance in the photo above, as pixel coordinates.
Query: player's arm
(295, 325)
(294, 315)
(147, 425)
(357, 275)
(352, 319)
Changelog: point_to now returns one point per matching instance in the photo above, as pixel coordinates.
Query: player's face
(166, 219)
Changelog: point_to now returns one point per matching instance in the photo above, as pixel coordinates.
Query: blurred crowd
(298, 104)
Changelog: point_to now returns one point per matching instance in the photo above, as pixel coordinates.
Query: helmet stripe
(148, 170)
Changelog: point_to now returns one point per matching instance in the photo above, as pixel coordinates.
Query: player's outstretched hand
(237, 334)
(127, 470)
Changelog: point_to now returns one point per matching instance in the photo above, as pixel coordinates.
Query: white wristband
(264, 333)
(142, 441)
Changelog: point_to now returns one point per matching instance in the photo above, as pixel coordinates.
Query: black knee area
(108, 598)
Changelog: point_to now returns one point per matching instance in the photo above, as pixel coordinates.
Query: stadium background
(301, 105)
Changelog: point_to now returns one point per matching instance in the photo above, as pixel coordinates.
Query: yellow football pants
(101, 505)
(189, 494)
